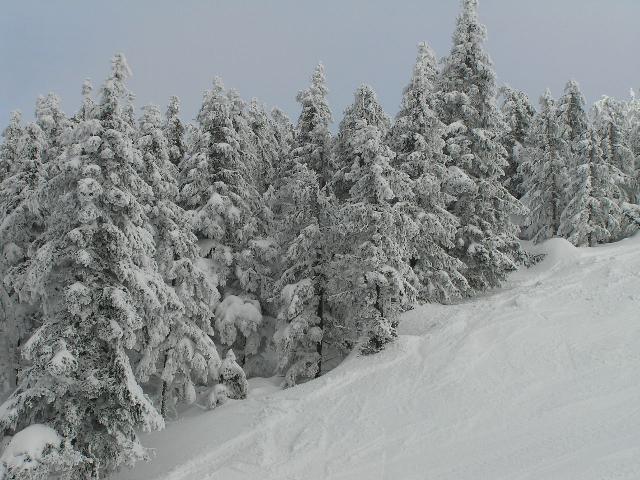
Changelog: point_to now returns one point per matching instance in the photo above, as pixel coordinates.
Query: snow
(27, 446)
(537, 380)
(237, 312)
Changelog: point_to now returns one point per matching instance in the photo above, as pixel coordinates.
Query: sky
(268, 49)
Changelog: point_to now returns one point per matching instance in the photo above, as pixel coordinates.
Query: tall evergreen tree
(102, 293)
(518, 114)
(10, 147)
(187, 355)
(417, 139)
(313, 139)
(486, 239)
(367, 108)
(216, 187)
(174, 131)
(545, 173)
(88, 104)
(303, 232)
(302, 228)
(593, 214)
(227, 208)
(613, 127)
(374, 235)
(264, 143)
(22, 221)
(633, 116)
(53, 122)
(574, 122)
(284, 134)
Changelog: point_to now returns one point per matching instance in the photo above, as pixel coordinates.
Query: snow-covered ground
(540, 380)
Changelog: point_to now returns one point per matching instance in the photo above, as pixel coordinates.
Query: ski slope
(539, 380)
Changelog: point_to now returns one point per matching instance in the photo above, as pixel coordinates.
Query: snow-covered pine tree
(612, 125)
(593, 214)
(254, 262)
(545, 172)
(313, 139)
(574, 122)
(633, 117)
(518, 113)
(10, 147)
(187, 355)
(265, 144)
(227, 207)
(284, 133)
(365, 107)
(216, 186)
(22, 221)
(88, 103)
(417, 139)
(370, 279)
(174, 130)
(241, 116)
(53, 122)
(103, 296)
(302, 229)
(486, 239)
(296, 204)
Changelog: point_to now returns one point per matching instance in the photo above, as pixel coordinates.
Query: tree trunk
(378, 305)
(320, 314)
(165, 392)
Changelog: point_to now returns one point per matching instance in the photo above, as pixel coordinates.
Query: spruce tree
(53, 122)
(593, 214)
(10, 147)
(417, 139)
(367, 108)
(88, 104)
(545, 173)
(102, 293)
(518, 114)
(265, 144)
(486, 239)
(175, 131)
(187, 355)
(313, 139)
(613, 129)
(284, 134)
(302, 228)
(217, 185)
(633, 117)
(22, 222)
(574, 122)
(374, 232)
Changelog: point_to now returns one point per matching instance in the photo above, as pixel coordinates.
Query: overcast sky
(268, 49)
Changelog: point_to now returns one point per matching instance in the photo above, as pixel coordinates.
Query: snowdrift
(539, 380)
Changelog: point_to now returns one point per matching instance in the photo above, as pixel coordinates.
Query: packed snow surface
(539, 380)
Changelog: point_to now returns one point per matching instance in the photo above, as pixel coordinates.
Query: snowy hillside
(540, 380)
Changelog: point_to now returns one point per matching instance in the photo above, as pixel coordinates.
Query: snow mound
(537, 380)
(28, 445)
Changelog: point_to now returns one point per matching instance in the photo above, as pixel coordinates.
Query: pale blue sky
(268, 49)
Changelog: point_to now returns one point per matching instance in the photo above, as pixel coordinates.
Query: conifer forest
(151, 264)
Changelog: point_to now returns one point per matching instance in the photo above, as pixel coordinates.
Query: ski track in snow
(537, 380)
